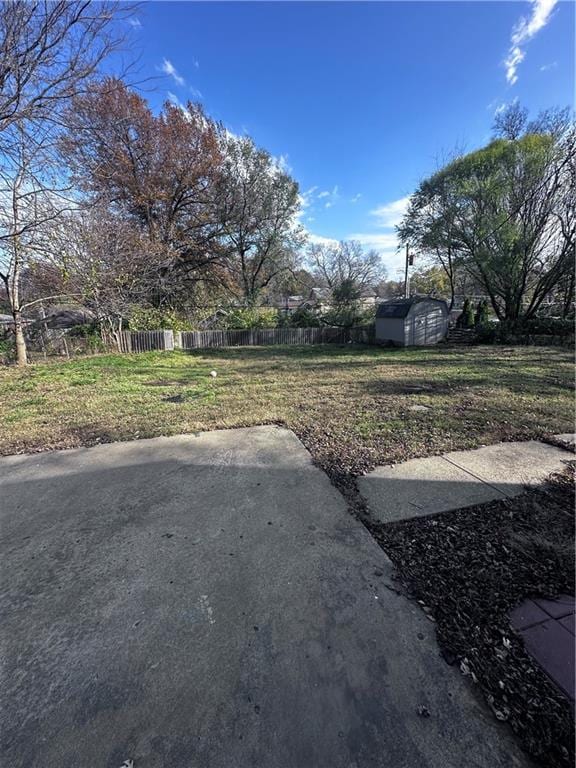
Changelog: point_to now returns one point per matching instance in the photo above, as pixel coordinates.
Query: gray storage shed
(419, 320)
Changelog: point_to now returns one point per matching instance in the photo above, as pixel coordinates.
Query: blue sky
(361, 100)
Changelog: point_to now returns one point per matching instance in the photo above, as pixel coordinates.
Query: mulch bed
(468, 569)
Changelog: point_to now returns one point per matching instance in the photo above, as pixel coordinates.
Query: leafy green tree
(432, 281)
(506, 215)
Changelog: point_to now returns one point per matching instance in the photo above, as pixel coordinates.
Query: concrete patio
(208, 601)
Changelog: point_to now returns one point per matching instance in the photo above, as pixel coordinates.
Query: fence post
(168, 340)
(177, 344)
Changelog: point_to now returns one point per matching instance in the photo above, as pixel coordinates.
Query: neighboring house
(290, 303)
(417, 321)
(368, 299)
(212, 320)
(64, 318)
(319, 300)
(314, 301)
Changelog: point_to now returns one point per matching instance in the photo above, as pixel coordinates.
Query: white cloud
(320, 240)
(177, 103)
(514, 59)
(331, 196)
(386, 243)
(527, 28)
(548, 67)
(283, 164)
(305, 198)
(195, 93)
(134, 22)
(169, 69)
(356, 198)
(390, 214)
(380, 241)
(174, 99)
(523, 32)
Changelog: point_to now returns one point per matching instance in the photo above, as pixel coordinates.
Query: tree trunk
(568, 298)
(21, 355)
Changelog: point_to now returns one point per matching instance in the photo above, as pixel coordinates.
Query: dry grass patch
(350, 405)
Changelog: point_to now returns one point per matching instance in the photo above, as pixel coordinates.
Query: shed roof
(399, 308)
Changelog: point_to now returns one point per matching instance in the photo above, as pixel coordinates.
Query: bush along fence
(145, 341)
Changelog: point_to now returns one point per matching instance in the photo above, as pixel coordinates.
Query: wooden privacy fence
(270, 336)
(147, 341)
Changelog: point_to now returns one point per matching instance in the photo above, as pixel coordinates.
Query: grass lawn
(351, 406)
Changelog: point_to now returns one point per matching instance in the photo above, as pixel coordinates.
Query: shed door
(417, 330)
(434, 326)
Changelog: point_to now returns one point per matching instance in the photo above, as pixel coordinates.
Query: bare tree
(49, 51)
(106, 263)
(345, 269)
(510, 122)
(257, 205)
(346, 272)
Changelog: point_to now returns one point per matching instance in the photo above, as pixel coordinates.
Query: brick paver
(547, 628)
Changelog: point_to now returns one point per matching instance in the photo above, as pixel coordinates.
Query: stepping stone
(527, 614)
(553, 648)
(510, 467)
(422, 487)
(557, 609)
(547, 628)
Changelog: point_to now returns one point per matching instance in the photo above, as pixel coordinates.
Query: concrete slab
(208, 601)
(511, 467)
(422, 487)
(567, 437)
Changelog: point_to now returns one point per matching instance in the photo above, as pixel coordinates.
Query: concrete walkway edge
(459, 479)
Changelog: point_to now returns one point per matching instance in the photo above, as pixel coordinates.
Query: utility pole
(409, 261)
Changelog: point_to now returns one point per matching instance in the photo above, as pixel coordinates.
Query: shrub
(155, 319)
(488, 333)
(249, 318)
(303, 317)
(545, 326)
(482, 316)
(466, 318)
(7, 349)
(522, 331)
(349, 315)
